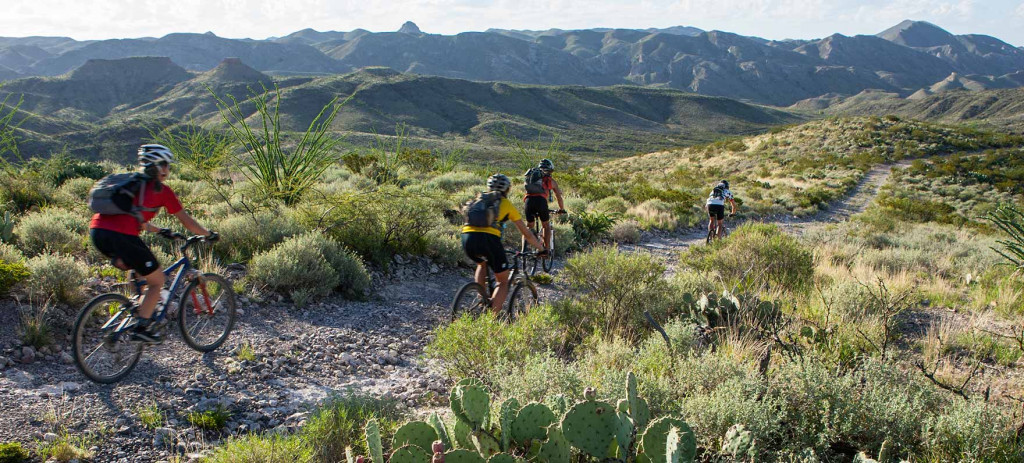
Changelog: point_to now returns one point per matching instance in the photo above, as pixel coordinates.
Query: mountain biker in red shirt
(536, 206)
(117, 236)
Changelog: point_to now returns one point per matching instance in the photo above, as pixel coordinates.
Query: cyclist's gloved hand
(166, 233)
(213, 236)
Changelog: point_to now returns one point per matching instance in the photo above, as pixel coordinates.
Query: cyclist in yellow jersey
(481, 241)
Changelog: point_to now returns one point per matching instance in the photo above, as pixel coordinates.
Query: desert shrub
(655, 213)
(456, 181)
(263, 448)
(611, 205)
(338, 423)
(58, 276)
(292, 267)
(590, 227)
(12, 452)
(736, 400)
(626, 232)
(212, 420)
(243, 235)
(74, 192)
(24, 191)
(474, 347)
(538, 377)
(10, 253)
(11, 273)
(55, 230)
(445, 248)
(756, 256)
(353, 279)
(613, 290)
(971, 431)
(61, 167)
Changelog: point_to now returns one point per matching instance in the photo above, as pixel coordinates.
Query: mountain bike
(530, 261)
(102, 343)
(473, 299)
(713, 233)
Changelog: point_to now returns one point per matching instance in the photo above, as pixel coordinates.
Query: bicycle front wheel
(206, 312)
(521, 300)
(470, 299)
(103, 353)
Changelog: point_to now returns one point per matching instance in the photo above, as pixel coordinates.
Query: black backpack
(718, 192)
(483, 211)
(118, 194)
(534, 181)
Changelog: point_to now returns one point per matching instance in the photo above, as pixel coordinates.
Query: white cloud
(1020, 10)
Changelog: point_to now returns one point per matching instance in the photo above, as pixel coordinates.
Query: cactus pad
(556, 448)
(485, 444)
(654, 440)
(410, 454)
(623, 432)
(439, 428)
(738, 441)
(509, 411)
(476, 405)
(590, 426)
(531, 423)
(461, 433)
(373, 443)
(672, 446)
(416, 433)
(639, 411)
(502, 458)
(463, 456)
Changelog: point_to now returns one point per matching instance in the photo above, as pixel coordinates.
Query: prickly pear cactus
(590, 394)
(531, 423)
(410, 454)
(463, 456)
(738, 441)
(509, 411)
(591, 426)
(654, 440)
(439, 428)
(373, 443)
(455, 397)
(475, 403)
(502, 458)
(462, 431)
(623, 432)
(485, 444)
(556, 448)
(637, 409)
(416, 433)
(887, 454)
(673, 446)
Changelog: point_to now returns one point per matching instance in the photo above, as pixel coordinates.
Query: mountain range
(908, 58)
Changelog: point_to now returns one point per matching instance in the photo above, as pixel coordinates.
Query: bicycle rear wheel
(521, 300)
(206, 312)
(101, 352)
(470, 299)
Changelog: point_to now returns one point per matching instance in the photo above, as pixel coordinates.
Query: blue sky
(773, 19)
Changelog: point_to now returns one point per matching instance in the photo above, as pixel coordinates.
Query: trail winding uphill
(301, 357)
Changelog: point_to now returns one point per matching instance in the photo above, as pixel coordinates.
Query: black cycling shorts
(537, 207)
(131, 250)
(481, 246)
(716, 211)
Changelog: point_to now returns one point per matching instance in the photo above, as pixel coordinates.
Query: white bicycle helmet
(153, 154)
(498, 182)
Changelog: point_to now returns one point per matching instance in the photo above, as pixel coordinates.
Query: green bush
(613, 290)
(310, 265)
(338, 423)
(58, 276)
(474, 347)
(455, 181)
(210, 420)
(24, 190)
(267, 448)
(55, 230)
(12, 452)
(11, 273)
(590, 227)
(611, 205)
(538, 377)
(972, 431)
(755, 256)
(243, 235)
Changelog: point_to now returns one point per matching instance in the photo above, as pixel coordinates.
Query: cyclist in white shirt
(716, 207)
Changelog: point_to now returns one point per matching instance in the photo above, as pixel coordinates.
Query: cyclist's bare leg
(500, 291)
(481, 274)
(529, 225)
(154, 283)
(711, 225)
(547, 233)
(721, 228)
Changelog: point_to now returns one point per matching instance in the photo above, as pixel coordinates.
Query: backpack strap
(139, 208)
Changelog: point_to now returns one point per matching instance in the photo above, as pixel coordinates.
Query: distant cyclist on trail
(716, 207)
(481, 235)
(116, 234)
(539, 186)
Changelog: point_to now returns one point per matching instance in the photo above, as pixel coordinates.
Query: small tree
(284, 174)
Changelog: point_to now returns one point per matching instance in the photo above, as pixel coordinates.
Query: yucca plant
(1010, 220)
(284, 174)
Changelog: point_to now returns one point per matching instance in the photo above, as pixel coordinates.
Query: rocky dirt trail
(301, 357)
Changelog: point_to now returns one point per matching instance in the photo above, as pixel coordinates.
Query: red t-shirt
(127, 224)
(548, 186)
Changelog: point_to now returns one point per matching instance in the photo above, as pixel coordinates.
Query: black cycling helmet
(546, 164)
(725, 183)
(498, 182)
